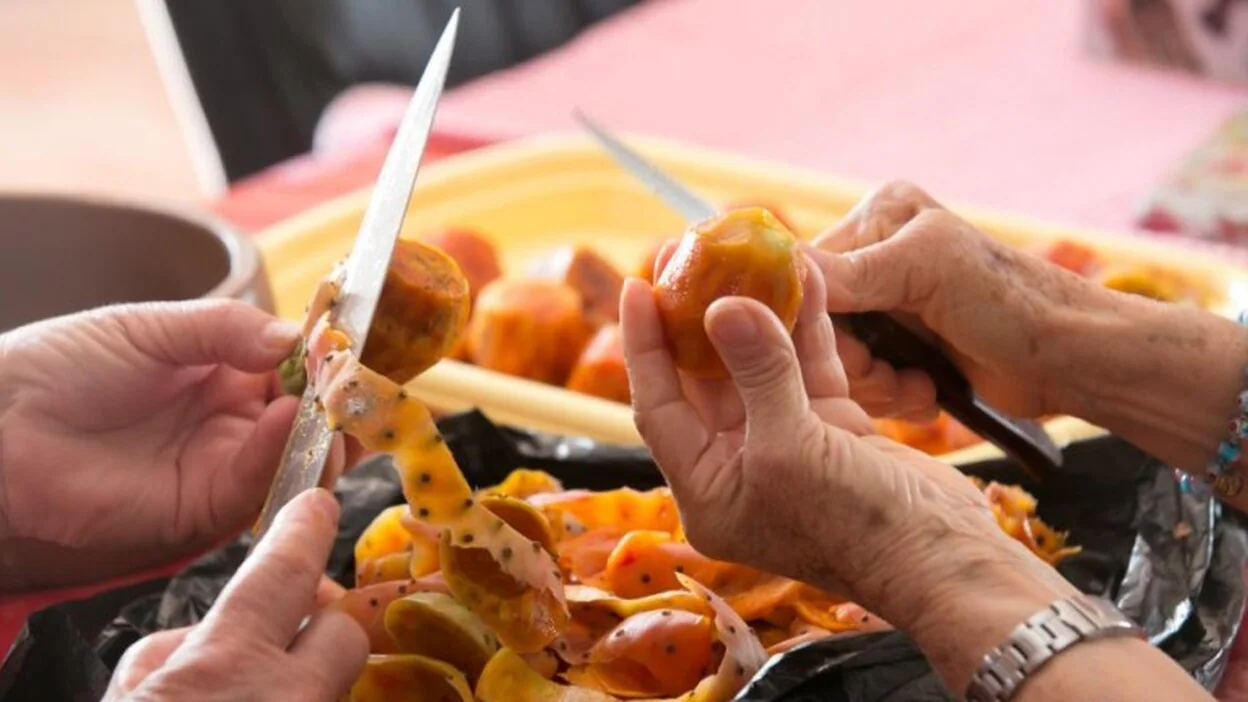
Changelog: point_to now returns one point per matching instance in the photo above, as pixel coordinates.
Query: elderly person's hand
(1032, 338)
(778, 469)
(253, 644)
(132, 434)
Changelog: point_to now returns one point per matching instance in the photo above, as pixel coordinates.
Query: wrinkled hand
(778, 469)
(135, 433)
(250, 645)
(997, 310)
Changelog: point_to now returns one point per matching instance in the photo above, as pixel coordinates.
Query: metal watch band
(1039, 639)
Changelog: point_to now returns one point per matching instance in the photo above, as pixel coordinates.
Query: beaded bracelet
(1222, 473)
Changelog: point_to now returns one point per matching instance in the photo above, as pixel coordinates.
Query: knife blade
(1023, 440)
(303, 461)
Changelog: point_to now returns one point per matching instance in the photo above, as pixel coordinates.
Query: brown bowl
(60, 255)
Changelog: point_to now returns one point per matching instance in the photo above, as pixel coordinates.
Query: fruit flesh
(745, 253)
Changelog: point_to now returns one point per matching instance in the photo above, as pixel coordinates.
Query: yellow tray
(533, 195)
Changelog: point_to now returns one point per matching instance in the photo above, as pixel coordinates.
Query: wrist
(1165, 377)
(960, 599)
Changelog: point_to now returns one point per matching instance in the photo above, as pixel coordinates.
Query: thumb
(761, 360)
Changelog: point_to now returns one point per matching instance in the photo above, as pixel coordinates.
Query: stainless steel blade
(303, 462)
(694, 209)
(690, 206)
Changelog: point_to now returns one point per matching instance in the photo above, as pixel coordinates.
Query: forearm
(1164, 377)
(959, 611)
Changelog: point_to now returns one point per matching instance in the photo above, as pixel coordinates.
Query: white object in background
(170, 61)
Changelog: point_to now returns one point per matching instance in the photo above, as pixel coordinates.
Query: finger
(916, 393)
(762, 362)
(855, 357)
(876, 217)
(276, 586)
(668, 423)
(815, 340)
(335, 645)
(142, 658)
(206, 332)
(328, 592)
(665, 255)
(238, 493)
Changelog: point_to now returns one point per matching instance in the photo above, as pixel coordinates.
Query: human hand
(778, 469)
(132, 434)
(1001, 313)
(251, 644)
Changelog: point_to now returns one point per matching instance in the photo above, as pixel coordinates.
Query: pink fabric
(979, 101)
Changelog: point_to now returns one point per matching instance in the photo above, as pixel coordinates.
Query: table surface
(979, 101)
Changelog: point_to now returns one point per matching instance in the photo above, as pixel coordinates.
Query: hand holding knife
(303, 461)
(1023, 440)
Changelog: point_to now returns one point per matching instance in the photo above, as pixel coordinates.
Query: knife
(303, 461)
(1023, 440)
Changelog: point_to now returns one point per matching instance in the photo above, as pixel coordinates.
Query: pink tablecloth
(980, 101)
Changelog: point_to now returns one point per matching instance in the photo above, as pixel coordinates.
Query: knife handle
(893, 343)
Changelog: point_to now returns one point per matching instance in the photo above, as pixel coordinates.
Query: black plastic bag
(1183, 583)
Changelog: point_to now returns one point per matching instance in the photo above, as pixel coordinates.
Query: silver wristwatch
(1037, 640)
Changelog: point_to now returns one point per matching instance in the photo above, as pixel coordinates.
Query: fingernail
(280, 335)
(732, 325)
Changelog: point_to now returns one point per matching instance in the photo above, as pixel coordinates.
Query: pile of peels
(647, 616)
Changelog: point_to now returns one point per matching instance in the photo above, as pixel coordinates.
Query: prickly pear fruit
(600, 371)
(531, 329)
(746, 253)
(589, 274)
(421, 314)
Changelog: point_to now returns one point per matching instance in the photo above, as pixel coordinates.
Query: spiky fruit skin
(590, 275)
(601, 371)
(475, 255)
(422, 312)
(532, 329)
(746, 253)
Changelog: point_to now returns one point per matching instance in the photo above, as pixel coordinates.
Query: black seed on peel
(557, 574)
(680, 569)
(563, 645)
(732, 629)
(372, 602)
(670, 649)
(402, 394)
(402, 589)
(353, 384)
(645, 578)
(436, 440)
(864, 619)
(537, 548)
(666, 613)
(467, 538)
(468, 503)
(388, 434)
(425, 478)
(423, 512)
(505, 554)
(740, 671)
(619, 633)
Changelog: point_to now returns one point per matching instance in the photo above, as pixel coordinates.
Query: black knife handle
(889, 341)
